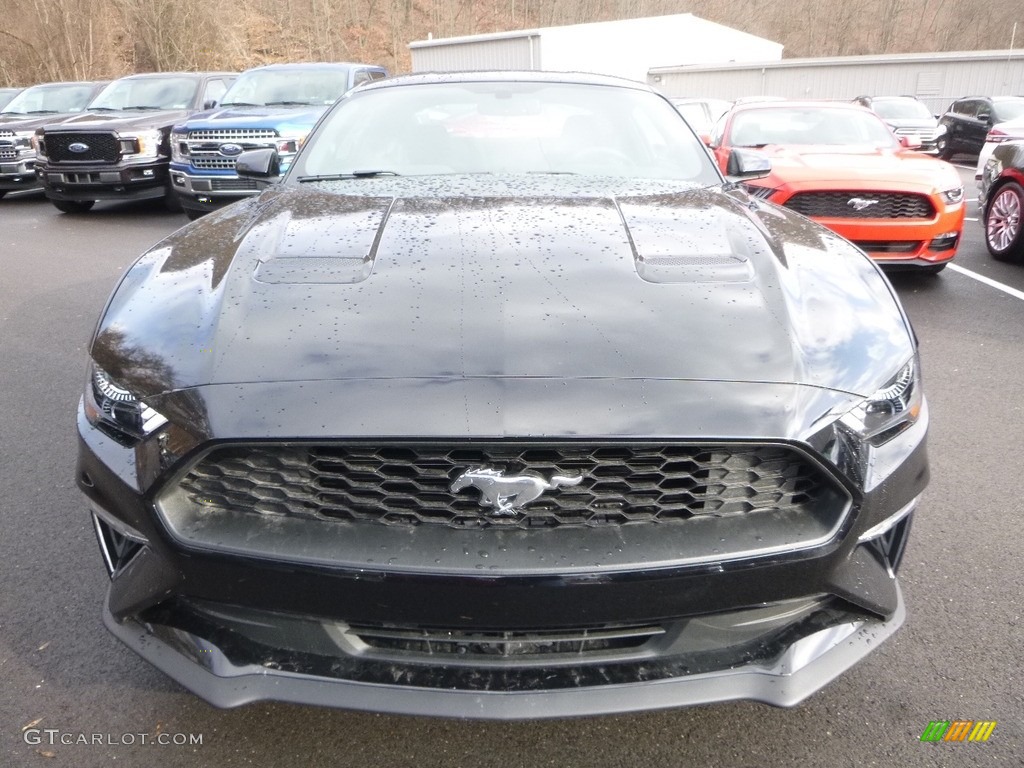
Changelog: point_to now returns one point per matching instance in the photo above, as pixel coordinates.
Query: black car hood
(31, 122)
(399, 279)
(129, 120)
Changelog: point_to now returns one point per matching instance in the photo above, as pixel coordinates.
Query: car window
(808, 125)
(51, 99)
(215, 90)
(1008, 110)
(503, 128)
(901, 109)
(148, 93)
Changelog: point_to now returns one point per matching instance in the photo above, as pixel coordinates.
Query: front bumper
(234, 628)
(18, 175)
(136, 181)
(210, 192)
(784, 679)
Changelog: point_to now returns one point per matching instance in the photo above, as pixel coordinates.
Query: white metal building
(935, 78)
(626, 48)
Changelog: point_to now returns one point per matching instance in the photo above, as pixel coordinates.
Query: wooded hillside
(46, 40)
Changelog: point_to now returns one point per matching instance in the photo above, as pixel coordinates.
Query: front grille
(231, 134)
(410, 484)
(8, 152)
(927, 134)
(467, 644)
(233, 185)
(213, 162)
(888, 246)
(841, 205)
(101, 147)
(7, 134)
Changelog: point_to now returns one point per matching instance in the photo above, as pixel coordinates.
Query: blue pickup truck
(272, 106)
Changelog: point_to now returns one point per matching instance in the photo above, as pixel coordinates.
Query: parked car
(1002, 201)
(272, 106)
(120, 149)
(840, 165)
(6, 94)
(501, 404)
(1011, 130)
(35, 107)
(968, 121)
(906, 116)
(701, 114)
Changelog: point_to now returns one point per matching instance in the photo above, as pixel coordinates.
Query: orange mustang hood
(858, 167)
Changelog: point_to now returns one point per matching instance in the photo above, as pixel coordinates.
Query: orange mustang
(840, 165)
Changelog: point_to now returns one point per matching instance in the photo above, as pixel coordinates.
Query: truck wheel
(942, 148)
(73, 206)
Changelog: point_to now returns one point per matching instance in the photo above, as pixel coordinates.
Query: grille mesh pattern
(213, 162)
(8, 152)
(102, 147)
(231, 134)
(411, 484)
(837, 205)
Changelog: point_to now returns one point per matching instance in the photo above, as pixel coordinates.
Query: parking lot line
(988, 281)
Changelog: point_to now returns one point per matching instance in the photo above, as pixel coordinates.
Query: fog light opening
(944, 242)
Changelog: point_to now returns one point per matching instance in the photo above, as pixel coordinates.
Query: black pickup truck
(34, 108)
(119, 150)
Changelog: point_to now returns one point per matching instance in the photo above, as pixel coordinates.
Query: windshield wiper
(343, 176)
(143, 107)
(240, 104)
(40, 112)
(289, 104)
(103, 109)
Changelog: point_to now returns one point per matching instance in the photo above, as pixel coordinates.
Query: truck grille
(231, 134)
(839, 205)
(213, 162)
(410, 484)
(7, 151)
(101, 147)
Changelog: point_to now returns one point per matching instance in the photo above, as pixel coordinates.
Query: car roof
(315, 65)
(804, 104)
(508, 76)
(149, 75)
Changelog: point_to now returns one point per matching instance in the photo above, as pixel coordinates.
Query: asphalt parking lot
(65, 679)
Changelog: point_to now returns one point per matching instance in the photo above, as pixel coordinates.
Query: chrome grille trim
(231, 134)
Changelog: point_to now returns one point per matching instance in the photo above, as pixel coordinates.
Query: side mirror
(985, 117)
(210, 104)
(261, 164)
(910, 142)
(705, 139)
(747, 164)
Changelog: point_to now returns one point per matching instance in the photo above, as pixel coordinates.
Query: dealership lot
(957, 657)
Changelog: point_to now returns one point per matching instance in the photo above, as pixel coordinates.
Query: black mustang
(503, 403)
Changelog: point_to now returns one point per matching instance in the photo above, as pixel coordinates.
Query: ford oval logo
(231, 150)
(78, 146)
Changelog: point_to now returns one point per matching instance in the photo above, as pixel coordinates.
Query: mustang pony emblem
(508, 495)
(860, 203)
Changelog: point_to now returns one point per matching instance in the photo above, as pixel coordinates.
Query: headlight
(39, 145)
(290, 143)
(892, 409)
(112, 406)
(143, 144)
(179, 147)
(954, 195)
(23, 140)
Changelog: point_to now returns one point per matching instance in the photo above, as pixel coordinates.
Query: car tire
(194, 214)
(73, 206)
(1004, 224)
(942, 149)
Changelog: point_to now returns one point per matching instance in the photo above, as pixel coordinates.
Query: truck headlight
(895, 407)
(142, 144)
(179, 147)
(109, 405)
(23, 141)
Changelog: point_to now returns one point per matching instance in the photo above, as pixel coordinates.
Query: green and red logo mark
(958, 730)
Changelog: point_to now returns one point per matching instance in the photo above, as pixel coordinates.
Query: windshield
(901, 109)
(503, 127)
(50, 99)
(147, 93)
(1008, 110)
(809, 125)
(293, 86)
